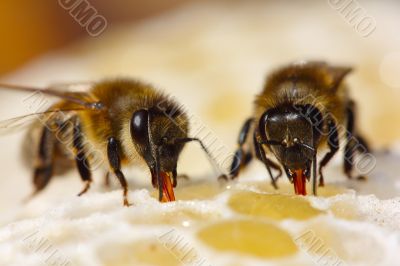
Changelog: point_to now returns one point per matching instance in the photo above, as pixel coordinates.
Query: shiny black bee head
(291, 132)
(157, 137)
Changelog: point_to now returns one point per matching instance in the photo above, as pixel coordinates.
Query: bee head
(155, 136)
(291, 132)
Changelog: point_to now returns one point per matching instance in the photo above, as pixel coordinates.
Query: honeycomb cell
(326, 191)
(149, 252)
(274, 206)
(333, 244)
(197, 191)
(249, 237)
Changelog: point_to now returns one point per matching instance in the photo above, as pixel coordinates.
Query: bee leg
(364, 146)
(267, 162)
(44, 168)
(175, 177)
(333, 144)
(81, 160)
(314, 174)
(240, 161)
(241, 158)
(354, 143)
(115, 165)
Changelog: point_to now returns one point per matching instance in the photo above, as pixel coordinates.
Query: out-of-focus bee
(123, 121)
(302, 108)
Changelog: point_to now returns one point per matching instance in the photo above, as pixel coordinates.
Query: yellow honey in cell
(274, 206)
(333, 245)
(287, 188)
(175, 217)
(249, 237)
(199, 191)
(149, 252)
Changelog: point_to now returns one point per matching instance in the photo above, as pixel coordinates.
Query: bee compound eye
(139, 125)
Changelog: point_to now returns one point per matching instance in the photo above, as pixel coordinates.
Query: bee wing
(16, 124)
(76, 93)
(72, 87)
(64, 91)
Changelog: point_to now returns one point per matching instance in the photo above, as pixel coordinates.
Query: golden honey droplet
(255, 238)
(274, 206)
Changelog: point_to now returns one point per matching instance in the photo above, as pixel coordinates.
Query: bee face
(298, 111)
(166, 133)
(290, 133)
(154, 136)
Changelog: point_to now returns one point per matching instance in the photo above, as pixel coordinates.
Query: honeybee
(303, 108)
(124, 121)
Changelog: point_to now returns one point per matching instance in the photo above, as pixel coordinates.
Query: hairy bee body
(115, 123)
(302, 109)
(63, 157)
(311, 83)
(120, 98)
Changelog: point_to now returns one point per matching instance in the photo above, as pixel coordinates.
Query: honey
(249, 237)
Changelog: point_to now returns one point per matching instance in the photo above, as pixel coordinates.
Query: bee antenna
(307, 146)
(210, 158)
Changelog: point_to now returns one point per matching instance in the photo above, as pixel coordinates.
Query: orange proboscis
(167, 188)
(299, 182)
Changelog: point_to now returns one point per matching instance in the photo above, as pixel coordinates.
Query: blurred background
(30, 28)
(213, 56)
